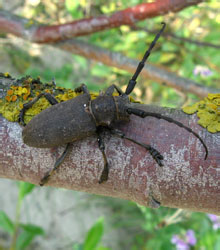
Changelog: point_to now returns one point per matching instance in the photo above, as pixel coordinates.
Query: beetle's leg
(153, 203)
(56, 165)
(154, 153)
(82, 88)
(51, 99)
(109, 91)
(105, 171)
(141, 64)
(142, 113)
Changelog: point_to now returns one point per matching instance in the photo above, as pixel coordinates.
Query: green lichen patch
(208, 110)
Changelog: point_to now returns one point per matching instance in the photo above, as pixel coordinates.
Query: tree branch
(120, 61)
(19, 27)
(185, 181)
(50, 33)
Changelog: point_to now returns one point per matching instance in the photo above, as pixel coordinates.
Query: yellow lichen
(7, 75)
(14, 98)
(10, 92)
(208, 110)
(9, 111)
(25, 90)
(8, 98)
(19, 91)
(25, 97)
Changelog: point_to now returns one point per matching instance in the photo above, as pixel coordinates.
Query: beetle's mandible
(80, 117)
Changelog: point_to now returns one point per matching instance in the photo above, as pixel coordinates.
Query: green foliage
(5, 223)
(197, 23)
(24, 189)
(93, 237)
(73, 8)
(27, 234)
(21, 234)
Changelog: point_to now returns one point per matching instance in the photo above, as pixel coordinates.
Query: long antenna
(141, 64)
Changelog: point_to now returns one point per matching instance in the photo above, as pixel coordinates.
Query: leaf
(24, 189)
(77, 246)
(6, 223)
(94, 235)
(33, 229)
(73, 8)
(27, 235)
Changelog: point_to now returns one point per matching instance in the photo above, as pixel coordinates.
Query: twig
(38, 33)
(19, 26)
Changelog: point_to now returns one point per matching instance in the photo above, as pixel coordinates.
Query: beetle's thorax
(107, 109)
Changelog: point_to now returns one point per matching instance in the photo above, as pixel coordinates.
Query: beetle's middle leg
(105, 171)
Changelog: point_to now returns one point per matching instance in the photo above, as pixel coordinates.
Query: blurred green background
(36, 218)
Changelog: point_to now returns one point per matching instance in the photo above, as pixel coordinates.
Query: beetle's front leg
(109, 91)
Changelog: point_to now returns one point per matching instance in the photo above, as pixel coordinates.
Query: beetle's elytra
(80, 117)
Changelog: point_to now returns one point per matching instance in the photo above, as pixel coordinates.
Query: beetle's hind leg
(58, 162)
(51, 99)
(154, 153)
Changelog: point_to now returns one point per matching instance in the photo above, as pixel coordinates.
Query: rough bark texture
(185, 181)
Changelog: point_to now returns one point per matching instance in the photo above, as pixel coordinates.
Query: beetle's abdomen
(59, 124)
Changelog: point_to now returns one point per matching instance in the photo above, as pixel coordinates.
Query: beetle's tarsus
(153, 203)
(44, 180)
(58, 162)
(154, 153)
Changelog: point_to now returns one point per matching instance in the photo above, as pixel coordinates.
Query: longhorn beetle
(80, 117)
